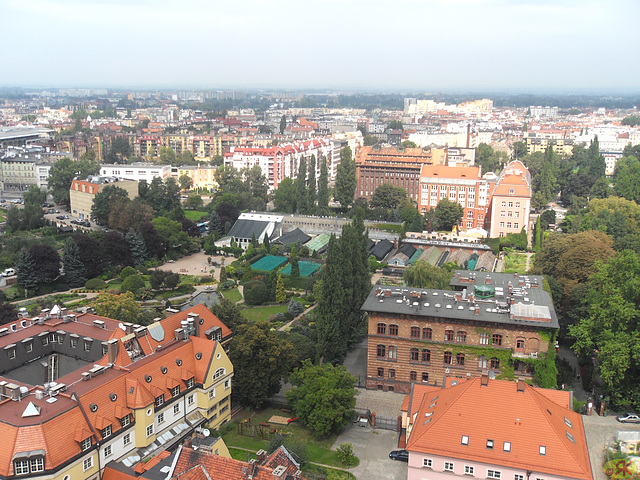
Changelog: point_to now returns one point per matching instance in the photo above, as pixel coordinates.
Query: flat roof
(10, 133)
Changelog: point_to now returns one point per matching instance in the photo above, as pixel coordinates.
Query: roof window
(465, 440)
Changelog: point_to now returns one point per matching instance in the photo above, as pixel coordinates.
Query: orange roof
(527, 419)
(445, 172)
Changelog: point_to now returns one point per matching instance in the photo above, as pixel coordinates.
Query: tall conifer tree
(323, 187)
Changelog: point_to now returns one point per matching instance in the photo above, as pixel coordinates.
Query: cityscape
(321, 241)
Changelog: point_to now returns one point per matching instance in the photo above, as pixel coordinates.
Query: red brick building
(492, 324)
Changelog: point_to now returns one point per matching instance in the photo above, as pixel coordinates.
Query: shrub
(255, 293)
(206, 279)
(126, 272)
(295, 308)
(133, 284)
(345, 454)
(95, 284)
(143, 269)
(227, 284)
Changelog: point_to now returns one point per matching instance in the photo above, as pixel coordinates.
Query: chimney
(3, 383)
(487, 280)
(520, 387)
(279, 472)
(12, 391)
(261, 456)
(484, 380)
(477, 310)
(170, 311)
(112, 350)
(99, 324)
(196, 324)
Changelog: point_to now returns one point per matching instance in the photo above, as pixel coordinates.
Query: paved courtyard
(602, 431)
(372, 447)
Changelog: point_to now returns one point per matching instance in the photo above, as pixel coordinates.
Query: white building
(136, 171)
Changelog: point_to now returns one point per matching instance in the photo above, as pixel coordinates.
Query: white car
(8, 272)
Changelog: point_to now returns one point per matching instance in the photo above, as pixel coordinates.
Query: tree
(425, 275)
(295, 267)
(448, 214)
(73, 267)
(63, 172)
(283, 124)
(185, 182)
(260, 359)
(163, 279)
(311, 186)
(301, 188)
(323, 397)
(396, 125)
(138, 249)
(284, 198)
(167, 155)
(121, 307)
(281, 294)
(91, 253)
(597, 163)
(323, 187)
(255, 292)
(388, 196)
(8, 313)
(26, 271)
(537, 244)
(47, 262)
(34, 196)
(229, 313)
(346, 181)
(193, 202)
(133, 284)
(116, 248)
(152, 240)
(103, 202)
(627, 178)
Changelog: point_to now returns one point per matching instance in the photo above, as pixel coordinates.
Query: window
(126, 420)
(393, 352)
(464, 440)
(502, 213)
(448, 466)
(190, 400)
(543, 450)
(415, 332)
(510, 204)
(12, 353)
(36, 464)
(518, 477)
(501, 224)
(468, 470)
(85, 444)
(427, 462)
(494, 474)
(427, 333)
(126, 440)
(415, 354)
(107, 451)
(380, 372)
(161, 417)
(426, 355)
(460, 359)
(520, 343)
(21, 467)
(506, 446)
(175, 391)
(160, 400)
(517, 204)
(29, 347)
(381, 351)
(392, 373)
(425, 377)
(74, 342)
(508, 224)
(496, 340)
(461, 337)
(212, 393)
(484, 339)
(494, 363)
(393, 330)
(45, 340)
(150, 430)
(382, 329)
(219, 373)
(87, 464)
(490, 444)
(509, 214)
(176, 408)
(106, 431)
(515, 225)
(413, 376)
(448, 358)
(190, 382)
(448, 335)
(87, 346)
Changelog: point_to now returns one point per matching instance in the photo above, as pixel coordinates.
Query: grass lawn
(318, 450)
(262, 314)
(195, 215)
(232, 294)
(516, 262)
(240, 454)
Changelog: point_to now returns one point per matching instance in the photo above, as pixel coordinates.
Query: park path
(288, 324)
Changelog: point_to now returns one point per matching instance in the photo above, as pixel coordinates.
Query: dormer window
(126, 420)
(160, 400)
(465, 440)
(106, 431)
(85, 444)
(191, 382)
(175, 391)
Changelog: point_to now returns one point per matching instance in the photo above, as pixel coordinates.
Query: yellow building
(83, 192)
(201, 176)
(563, 147)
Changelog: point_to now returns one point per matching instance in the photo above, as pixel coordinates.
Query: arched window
(494, 363)
(381, 351)
(448, 335)
(427, 333)
(482, 361)
(484, 339)
(426, 355)
(460, 359)
(219, 373)
(415, 354)
(520, 344)
(393, 330)
(382, 329)
(461, 337)
(415, 332)
(392, 352)
(448, 358)
(496, 339)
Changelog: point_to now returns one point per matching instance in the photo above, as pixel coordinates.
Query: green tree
(193, 202)
(301, 188)
(47, 261)
(311, 186)
(167, 155)
(139, 252)
(323, 187)
(8, 313)
(424, 275)
(104, 200)
(121, 307)
(26, 271)
(448, 214)
(323, 397)
(133, 284)
(597, 163)
(185, 182)
(346, 455)
(255, 292)
(346, 181)
(34, 196)
(73, 267)
(283, 124)
(281, 294)
(396, 125)
(63, 172)
(260, 359)
(229, 313)
(388, 196)
(537, 245)
(284, 198)
(627, 178)
(409, 144)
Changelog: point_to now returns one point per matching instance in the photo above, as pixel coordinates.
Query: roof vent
(86, 376)
(521, 383)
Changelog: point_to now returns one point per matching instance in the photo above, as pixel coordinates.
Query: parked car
(60, 217)
(8, 272)
(629, 418)
(401, 455)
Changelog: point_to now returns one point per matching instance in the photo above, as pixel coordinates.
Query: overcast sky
(517, 46)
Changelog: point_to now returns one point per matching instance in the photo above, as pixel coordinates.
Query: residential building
(397, 166)
(202, 176)
(543, 111)
(495, 429)
(561, 146)
(251, 226)
(18, 173)
(494, 323)
(510, 202)
(137, 171)
(83, 192)
(79, 390)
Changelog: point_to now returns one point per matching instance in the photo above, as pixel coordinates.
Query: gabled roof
(294, 236)
(381, 249)
(527, 419)
(244, 228)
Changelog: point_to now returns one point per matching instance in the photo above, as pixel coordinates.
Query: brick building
(510, 201)
(492, 324)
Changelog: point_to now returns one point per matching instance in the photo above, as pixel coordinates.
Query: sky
(514, 46)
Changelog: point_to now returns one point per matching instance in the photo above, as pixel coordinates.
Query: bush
(255, 292)
(295, 308)
(133, 284)
(346, 455)
(205, 279)
(227, 284)
(95, 284)
(126, 272)
(143, 269)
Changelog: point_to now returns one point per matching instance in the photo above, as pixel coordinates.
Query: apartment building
(83, 192)
(79, 391)
(510, 202)
(493, 323)
(138, 171)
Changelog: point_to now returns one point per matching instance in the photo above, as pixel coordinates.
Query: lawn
(516, 262)
(262, 314)
(232, 294)
(317, 450)
(195, 215)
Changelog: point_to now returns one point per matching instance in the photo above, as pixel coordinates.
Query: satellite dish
(121, 326)
(206, 432)
(492, 374)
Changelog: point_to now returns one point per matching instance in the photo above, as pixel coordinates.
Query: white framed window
(85, 444)
(87, 463)
(106, 431)
(150, 430)
(490, 444)
(176, 409)
(191, 382)
(161, 417)
(468, 470)
(427, 462)
(108, 451)
(29, 347)
(518, 477)
(87, 346)
(74, 342)
(227, 384)
(21, 467)
(126, 420)
(36, 464)
(506, 446)
(175, 391)
(126, 440)
(160, 400)
(543, 450)
(12, 354)
(190, 400)
(495, 474)
(464, 440)
(448, 466)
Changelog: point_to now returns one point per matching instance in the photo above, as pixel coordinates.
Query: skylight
(570, 437)
(506, 446)
(490, 444)
(568, 422)
(543, 450)
(465, 440)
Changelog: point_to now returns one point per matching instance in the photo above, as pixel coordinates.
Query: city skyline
(516, 46)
